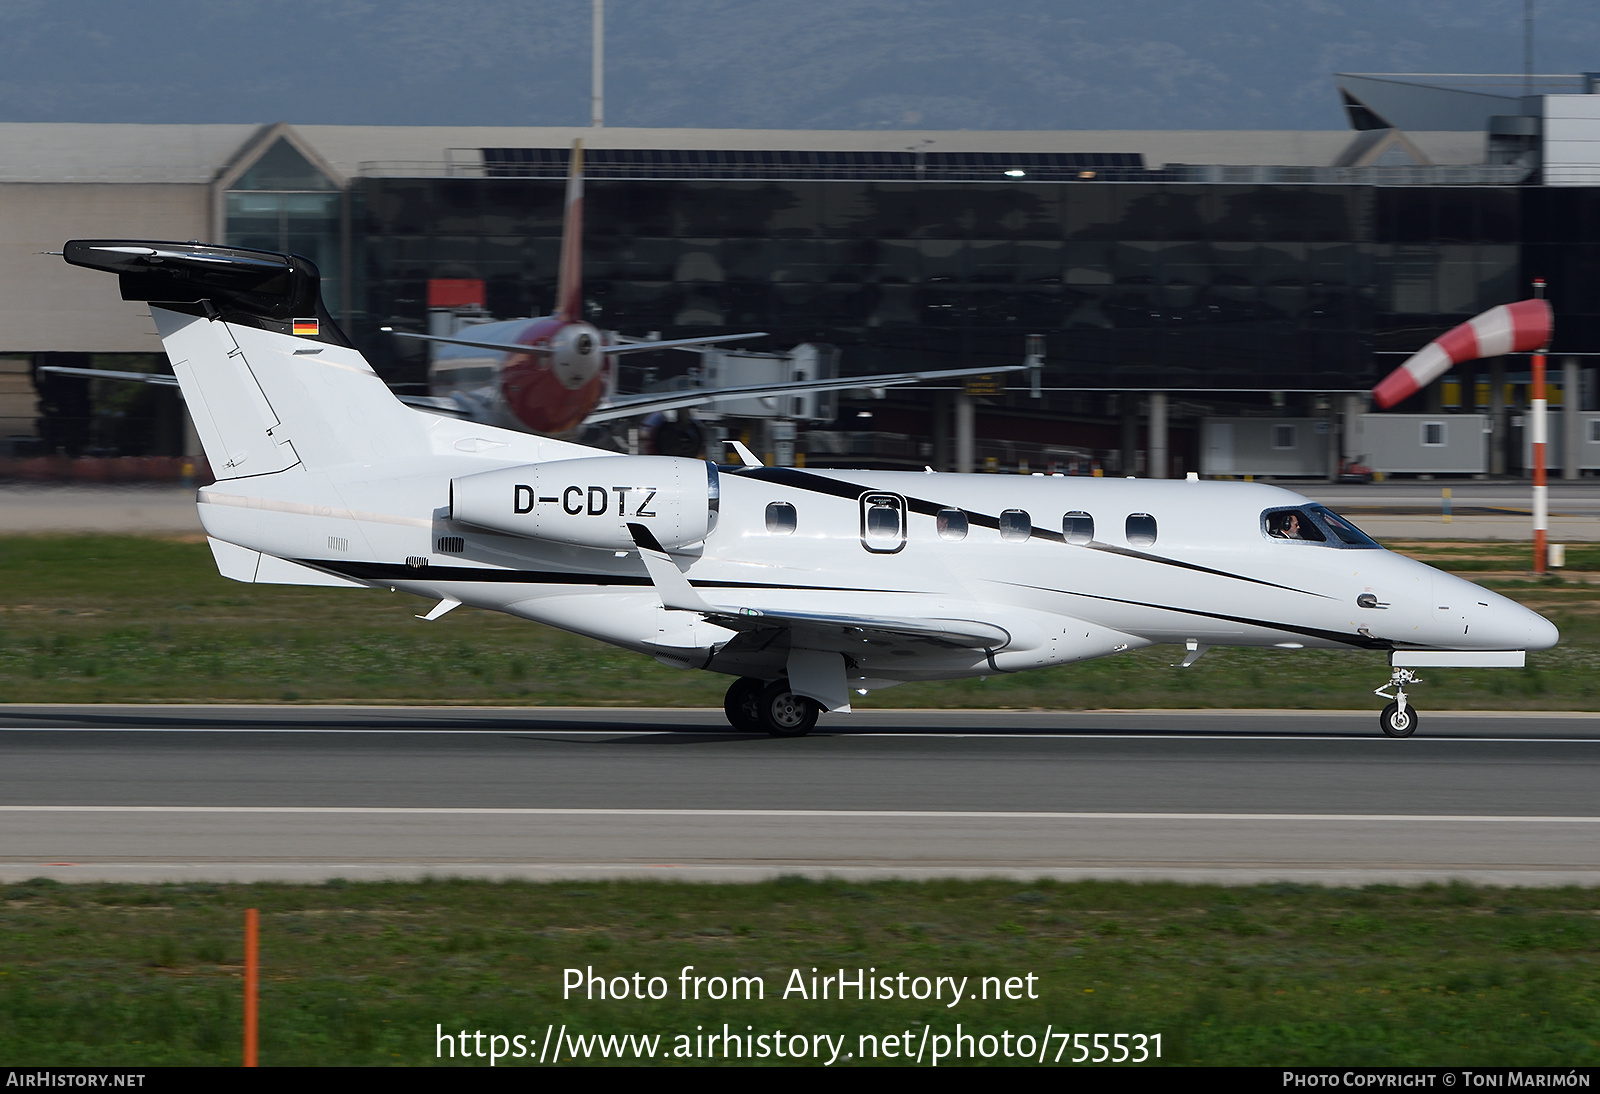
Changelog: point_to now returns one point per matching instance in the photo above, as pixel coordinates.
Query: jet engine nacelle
(591, 502)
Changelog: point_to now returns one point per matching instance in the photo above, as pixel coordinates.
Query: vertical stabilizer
(569, 290)
(268, 377)
(238, 428)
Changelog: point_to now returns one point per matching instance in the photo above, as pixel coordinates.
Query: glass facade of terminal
(1135, 285)
(283, 203)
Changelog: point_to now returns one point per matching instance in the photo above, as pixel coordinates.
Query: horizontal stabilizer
(255, 568)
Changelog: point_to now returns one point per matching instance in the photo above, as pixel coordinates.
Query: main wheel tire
(742, 704)
(785, 714)
(1398, 723)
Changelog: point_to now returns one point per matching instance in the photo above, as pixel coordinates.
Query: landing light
(1016, 173)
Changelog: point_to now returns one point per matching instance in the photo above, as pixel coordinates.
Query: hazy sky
(831, 64)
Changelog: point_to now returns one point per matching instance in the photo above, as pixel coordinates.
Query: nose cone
(1542, 634)
(1510, 626)
(1468, 616)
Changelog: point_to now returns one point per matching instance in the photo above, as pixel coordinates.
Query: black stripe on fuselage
(1357, 640)
(819, 484)
(395, 571)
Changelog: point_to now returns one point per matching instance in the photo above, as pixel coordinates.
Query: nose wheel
(1399, 719)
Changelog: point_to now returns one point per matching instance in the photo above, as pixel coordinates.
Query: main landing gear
(1398, 718)
(754, 705)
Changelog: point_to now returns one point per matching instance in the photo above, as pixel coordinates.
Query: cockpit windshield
(1313, 523)
(1347, 534)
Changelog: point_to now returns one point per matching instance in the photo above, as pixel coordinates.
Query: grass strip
(125, 619)
(364, 973)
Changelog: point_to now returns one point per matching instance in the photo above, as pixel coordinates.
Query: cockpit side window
(1292, 524)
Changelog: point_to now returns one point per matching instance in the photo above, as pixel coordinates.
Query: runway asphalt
(309, 793)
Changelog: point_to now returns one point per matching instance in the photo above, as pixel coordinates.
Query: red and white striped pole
(1541, 500)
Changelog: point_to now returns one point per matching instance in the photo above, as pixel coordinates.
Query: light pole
(597, 68)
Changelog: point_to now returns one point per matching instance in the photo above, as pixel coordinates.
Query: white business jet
(803, 585)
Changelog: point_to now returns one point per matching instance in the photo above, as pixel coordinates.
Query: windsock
(1509, 328)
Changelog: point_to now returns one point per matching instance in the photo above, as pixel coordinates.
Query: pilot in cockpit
(1285, 526)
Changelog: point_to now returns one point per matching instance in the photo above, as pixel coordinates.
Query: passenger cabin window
(1078, 527)
(1015, 525)
(1293, 524)
(883, 522)
(952, 524)
(1140, 530)
(781, 519)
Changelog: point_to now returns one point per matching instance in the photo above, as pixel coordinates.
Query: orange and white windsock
(1509, 328)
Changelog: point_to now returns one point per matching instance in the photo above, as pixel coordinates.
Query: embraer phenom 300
(803, 585)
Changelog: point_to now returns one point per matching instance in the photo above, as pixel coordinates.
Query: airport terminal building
(1210, 301)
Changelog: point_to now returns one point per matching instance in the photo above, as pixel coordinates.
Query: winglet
(675, 591)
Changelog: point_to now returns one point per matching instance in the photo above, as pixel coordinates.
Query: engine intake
(591, 502)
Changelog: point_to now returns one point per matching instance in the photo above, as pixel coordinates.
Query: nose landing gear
(1398, 719)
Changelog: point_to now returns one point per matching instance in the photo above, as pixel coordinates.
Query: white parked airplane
(803, 585)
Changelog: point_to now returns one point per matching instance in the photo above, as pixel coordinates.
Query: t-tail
(269, 378)
(324, 476)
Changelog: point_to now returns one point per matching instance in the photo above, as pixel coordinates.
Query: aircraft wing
(816, 630)
(164, 379)
(628, 406)
(629, 346)
(819, 631)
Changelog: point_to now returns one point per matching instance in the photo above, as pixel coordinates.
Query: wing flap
(828, 631)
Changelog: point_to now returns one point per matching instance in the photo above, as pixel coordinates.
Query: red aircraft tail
(569, 289)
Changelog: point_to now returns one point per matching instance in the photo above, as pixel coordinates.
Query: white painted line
(886, 814)
(829, 734)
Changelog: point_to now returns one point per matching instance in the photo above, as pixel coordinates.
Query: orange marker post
(252, 970)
